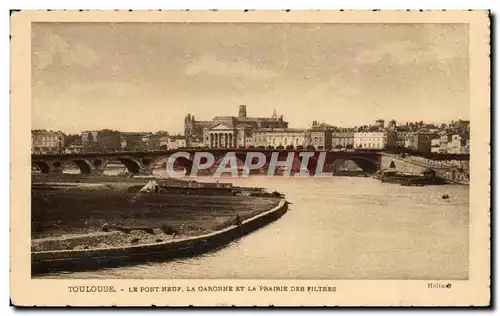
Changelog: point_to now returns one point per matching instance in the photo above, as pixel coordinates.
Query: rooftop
(135, 133)
(291, 130)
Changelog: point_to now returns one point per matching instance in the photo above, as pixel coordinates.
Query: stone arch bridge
(143, 163)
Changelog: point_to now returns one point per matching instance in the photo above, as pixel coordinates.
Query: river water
(336, 228)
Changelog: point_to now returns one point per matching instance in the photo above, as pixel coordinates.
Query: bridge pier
(142, 163)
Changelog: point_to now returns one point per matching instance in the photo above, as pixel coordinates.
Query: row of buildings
(44, 142)
(243, 131)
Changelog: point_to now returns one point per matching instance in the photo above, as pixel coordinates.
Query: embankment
(61, 211)
(50, 261)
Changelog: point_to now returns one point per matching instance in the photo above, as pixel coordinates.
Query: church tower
(188, 125)
(243, 111)
(275, 115)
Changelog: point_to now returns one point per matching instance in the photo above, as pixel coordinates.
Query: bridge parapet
(144, 162)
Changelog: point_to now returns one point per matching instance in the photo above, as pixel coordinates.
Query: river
(337, 228)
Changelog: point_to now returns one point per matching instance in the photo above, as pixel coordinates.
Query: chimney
(243, 111)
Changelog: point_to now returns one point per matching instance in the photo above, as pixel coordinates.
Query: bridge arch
(240, 163)
(366, 164)
(112, 166)
(311, 165)
(184, 163)
(283, 156)
(43, 166)
(82, 165)
(158, 165)
(132, 165)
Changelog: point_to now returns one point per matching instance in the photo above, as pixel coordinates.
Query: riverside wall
(51, 261)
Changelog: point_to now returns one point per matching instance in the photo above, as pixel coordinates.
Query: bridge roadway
(143, 163)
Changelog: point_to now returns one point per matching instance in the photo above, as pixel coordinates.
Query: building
(176, 142)
(164, 141)
(43, 141)
(150, 142)
(74, 149)
(392, 125)
(370, 140)
(380, 123)
(436, 145)
(72, 140)
(228, 131)
(440, 142)
(392, 138)
(197, 143)
(318, 125)
(456, 145)
(277, 137)
(460, 127)
(135, 141)
(400, 136)
(172, 142)
(343, 140)
(103, 140)
(193, 129)
(443, 141)
(420, 141)
(319, 138)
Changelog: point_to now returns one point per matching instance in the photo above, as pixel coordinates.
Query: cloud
(54, 49)
(406, 52)
(210, 64)
(343, 88)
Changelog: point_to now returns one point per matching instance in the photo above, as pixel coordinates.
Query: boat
(427, 177)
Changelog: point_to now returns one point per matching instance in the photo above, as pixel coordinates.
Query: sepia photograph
(226, 149)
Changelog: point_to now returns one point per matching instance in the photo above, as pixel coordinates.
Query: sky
(148, 76)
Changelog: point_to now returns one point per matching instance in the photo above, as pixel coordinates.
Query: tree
(162, 133)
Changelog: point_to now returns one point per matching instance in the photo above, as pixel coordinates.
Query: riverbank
(83, 178)
(77, 217)
(97, 258)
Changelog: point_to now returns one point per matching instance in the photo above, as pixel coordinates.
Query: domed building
(228, 131)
